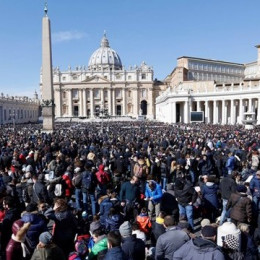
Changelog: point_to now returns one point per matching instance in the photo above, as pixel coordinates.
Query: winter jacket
(209, 194)
(105, 206)
(230, 163)
(69, 187)
(14, 250)
(227, 186)
(158, 228)
(255, 187)
(64, 229)
(129, 192)
(51, 252)
(115, 253)
(38, 226)
(40, 193)
(198, 248)
(186, 194)
(102, 176)
(133, 248)
(144, 223)
(113, 222)
(99, 246)
(241, 207)
(156, 194)
(169, 242)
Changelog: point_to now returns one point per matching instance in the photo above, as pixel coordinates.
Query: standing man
(170, 241)
(153, 193)
(255, 191)
(227, 186)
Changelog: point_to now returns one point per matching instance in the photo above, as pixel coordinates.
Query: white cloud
(67, 36)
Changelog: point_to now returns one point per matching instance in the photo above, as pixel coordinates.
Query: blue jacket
(230, 164)
(255, 187)
(156, 194)
(105, 206)
(115, 253)
(38, 225)
(113, 222)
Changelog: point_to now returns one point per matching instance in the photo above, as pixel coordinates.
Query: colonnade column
(70, 102)
(241, 111)
(198, 106)
(224, 115)
(232, 115)
(102, 98)
(173, 110)
(91, 103)
(215, 112)
(80, 107)
(206, 112)
(249, 109)
(186, 112)
(258, 111)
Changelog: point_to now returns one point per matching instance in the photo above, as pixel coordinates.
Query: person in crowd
(64, 229)
(46, 249)
(186, 197)
(203, 247)
(227, 186)
(133, 248)
(153, 194)
(240, 206)
(114, 247)
(255, 191)
(144, 221)
(16, 248)
(170, 241)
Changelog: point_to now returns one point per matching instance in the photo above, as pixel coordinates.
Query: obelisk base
(48, 119)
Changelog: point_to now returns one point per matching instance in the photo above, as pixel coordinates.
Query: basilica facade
(105, 86)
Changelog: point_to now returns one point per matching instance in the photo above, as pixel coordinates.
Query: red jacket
(102, 176)
(14, 250)
(69, 185)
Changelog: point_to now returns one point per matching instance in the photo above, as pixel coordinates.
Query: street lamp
(102, 113)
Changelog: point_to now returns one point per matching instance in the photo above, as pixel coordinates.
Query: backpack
(87, 180)
(59, 189)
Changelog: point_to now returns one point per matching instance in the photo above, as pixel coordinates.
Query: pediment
(95, 79)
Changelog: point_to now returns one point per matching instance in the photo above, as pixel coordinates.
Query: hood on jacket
(101, 168)
(204, 245)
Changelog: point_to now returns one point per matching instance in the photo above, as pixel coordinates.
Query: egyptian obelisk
(47, 77)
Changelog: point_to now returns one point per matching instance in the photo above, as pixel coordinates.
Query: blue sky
(154, 31)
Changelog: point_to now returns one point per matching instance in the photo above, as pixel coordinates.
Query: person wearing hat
(241, 206)
(133, 248)
(203, 247)
(46, 249)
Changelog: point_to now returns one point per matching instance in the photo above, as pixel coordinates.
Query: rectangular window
(118, 94)
(143, 76)
(96, 94)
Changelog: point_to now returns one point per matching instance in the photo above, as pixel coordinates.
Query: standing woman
(64, 228)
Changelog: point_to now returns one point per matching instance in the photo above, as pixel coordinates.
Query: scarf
(24, 247)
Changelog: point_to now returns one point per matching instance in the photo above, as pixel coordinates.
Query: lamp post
(13, 117)
(102, 113)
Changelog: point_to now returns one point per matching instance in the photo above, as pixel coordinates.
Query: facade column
(58, 104)
(206, 112)
(150, 104)
(113, 103)
(84, 103)
(135, 103)
(123, 100)
(241, 111)
(70, 103)
(80, 111)
(102, 98)
(173, 112)
(91, 92)
(109, 95)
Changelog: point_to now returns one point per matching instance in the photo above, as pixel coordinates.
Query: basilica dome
(104, 58)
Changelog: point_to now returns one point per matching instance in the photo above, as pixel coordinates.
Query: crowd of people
(135, 190)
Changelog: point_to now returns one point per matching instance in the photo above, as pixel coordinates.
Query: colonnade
(216, 111)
